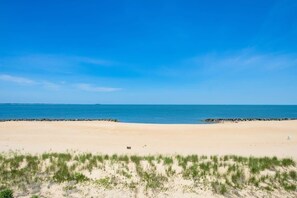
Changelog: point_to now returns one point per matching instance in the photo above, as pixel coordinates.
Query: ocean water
(178, 114)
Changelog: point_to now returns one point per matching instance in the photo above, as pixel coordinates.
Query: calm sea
(146, 113)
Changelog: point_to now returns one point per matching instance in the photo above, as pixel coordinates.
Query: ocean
(169, 114)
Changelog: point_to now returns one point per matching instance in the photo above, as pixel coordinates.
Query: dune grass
(221, 174)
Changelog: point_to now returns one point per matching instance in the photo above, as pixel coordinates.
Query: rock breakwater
(220, 120)
(53, 119)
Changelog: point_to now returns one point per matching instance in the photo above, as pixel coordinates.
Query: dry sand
(259, 138)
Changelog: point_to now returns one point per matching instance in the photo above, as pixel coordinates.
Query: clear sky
(148, 52)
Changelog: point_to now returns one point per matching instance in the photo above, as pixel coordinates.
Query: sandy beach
(169, 175)
(269, 138)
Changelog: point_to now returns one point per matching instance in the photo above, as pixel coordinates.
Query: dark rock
(219, 120)
(54, 119)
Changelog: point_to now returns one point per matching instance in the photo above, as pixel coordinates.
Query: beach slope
(259, 138)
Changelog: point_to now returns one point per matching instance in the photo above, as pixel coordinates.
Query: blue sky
(148, 52)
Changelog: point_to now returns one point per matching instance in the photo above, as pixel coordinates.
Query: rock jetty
(219, 120)
(53, 119)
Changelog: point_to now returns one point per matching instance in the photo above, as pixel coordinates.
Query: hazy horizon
(147, 104)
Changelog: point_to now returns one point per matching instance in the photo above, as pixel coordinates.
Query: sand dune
(268, 138)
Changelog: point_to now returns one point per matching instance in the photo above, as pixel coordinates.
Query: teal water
(182, 114)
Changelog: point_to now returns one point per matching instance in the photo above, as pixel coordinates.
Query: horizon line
(16, 103)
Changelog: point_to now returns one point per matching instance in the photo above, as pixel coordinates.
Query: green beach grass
(25, 174)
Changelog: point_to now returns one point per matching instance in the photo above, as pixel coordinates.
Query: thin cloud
(26, 81)
(16, 79)
(54, 86)
(232, 62)
(247, 59)
(91, 88)
(93, 61)
(55, 64)
(45, 60)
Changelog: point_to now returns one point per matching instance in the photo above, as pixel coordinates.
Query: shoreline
(57, 120)
(204, 121)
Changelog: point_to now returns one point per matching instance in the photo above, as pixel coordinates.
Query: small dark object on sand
(128, 147)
